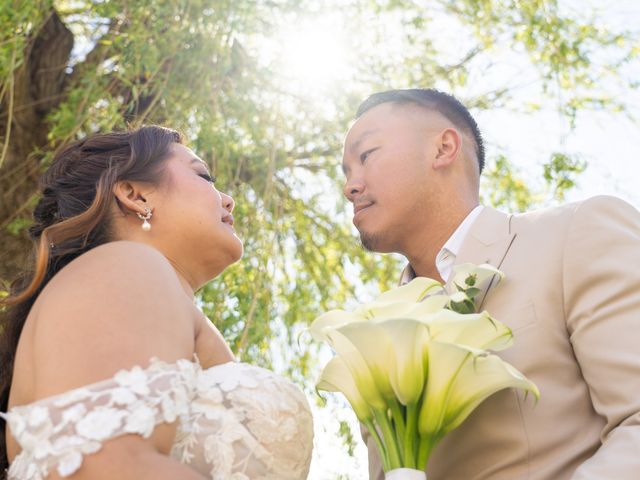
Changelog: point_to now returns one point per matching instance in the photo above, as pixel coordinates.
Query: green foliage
(275, 145)
(504, 188)
(560, 173)
(19, 19)
(186, 64)
(18, 225)
(347, 435)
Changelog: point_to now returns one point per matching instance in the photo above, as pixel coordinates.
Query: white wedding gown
(235, 421)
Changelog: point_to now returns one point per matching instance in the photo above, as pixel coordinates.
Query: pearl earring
(146, 226)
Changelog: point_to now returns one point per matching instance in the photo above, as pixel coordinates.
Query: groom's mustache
(361, 203)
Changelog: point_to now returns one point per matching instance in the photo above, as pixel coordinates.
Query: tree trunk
(38, 88)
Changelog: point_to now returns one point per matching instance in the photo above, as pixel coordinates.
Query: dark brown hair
(432, 99)
(72, 217)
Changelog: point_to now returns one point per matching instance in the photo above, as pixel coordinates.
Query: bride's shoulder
(116, 269)
(113, 257)
(116, 306)
(123, 250)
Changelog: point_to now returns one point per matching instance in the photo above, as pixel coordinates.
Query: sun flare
(314, 55)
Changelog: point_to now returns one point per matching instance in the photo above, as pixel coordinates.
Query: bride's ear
(129, 197)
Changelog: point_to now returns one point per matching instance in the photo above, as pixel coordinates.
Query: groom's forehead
(372, 121)
(382, 117)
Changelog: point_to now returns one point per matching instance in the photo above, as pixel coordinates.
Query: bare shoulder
(116, 306)
(138, 260)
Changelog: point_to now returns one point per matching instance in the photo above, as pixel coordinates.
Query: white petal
(414, 291)
(331, 319)
(69, 464)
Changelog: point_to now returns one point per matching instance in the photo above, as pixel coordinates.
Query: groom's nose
(352, 188)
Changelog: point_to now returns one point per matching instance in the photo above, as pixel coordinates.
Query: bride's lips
(228, 219)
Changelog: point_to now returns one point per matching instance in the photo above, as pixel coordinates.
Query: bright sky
(314, 58)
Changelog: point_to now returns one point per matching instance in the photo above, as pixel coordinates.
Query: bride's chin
(240, 250)
(234, 254)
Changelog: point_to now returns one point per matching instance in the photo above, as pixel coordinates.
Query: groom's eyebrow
(355, 145)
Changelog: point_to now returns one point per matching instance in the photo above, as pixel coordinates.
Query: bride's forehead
(183, 157)
(182, 152)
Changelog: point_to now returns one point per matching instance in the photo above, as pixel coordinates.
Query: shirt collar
(449, 251)
(455, 241)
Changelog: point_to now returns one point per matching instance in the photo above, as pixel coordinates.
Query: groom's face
(387, 163)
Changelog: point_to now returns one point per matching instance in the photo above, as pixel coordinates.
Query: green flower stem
(410, 436)
(389, 438)
(424, 451)
(376, 438)
(399, 425)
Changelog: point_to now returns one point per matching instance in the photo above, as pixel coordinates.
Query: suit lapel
(488, 241)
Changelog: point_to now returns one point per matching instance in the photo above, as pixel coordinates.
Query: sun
(314, 55)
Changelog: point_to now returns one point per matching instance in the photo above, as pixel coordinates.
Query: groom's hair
(443, 103)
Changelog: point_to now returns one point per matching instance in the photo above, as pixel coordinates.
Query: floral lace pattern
(235, 421)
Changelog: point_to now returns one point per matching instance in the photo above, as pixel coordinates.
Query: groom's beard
(370, 242)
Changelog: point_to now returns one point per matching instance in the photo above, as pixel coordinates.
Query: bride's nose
(227, 202)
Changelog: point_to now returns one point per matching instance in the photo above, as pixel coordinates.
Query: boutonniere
(469, 281)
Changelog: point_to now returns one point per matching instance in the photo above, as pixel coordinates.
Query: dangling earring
(146, 226)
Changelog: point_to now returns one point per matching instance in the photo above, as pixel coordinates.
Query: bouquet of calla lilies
(415, 362)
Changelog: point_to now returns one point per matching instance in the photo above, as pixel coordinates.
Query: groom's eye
(364, 155)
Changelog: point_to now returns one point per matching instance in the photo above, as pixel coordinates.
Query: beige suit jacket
(572, 297)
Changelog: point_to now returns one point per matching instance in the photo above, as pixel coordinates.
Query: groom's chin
(373, 243)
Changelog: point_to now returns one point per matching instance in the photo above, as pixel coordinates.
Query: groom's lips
(358, 208)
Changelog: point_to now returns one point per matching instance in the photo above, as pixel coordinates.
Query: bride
(108, 369)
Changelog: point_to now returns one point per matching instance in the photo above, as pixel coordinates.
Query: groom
(571, 294)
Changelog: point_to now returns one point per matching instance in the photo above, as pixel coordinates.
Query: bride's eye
(207, 177)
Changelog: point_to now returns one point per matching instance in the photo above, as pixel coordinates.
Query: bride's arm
(130, 458)
(114, 308)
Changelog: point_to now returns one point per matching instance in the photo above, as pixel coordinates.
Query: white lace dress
(235, 421)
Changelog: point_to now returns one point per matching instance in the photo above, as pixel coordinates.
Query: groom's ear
(449, 144)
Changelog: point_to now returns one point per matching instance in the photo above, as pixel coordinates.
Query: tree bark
(38, 87)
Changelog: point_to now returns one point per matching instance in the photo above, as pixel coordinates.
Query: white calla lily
(376, 348)
(332, 319)
(358, 367)
(460, 378)
(415, 363)
(336, 377)
(387, 310)
(414, 291)
(481, 272)
(407, 372)
(400, 302)
(477, 330)
(394, 352)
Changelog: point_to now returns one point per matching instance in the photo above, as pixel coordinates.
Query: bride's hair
(72, 217)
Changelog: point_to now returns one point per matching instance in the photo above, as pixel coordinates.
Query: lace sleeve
(58, 431)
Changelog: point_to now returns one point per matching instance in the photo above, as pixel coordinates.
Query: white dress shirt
(446, 257)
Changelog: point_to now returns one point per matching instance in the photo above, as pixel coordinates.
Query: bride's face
(192, 220)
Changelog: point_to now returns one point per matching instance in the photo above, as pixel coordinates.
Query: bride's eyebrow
(201, 162)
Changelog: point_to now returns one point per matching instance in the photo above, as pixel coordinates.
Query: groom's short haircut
(443, 103)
